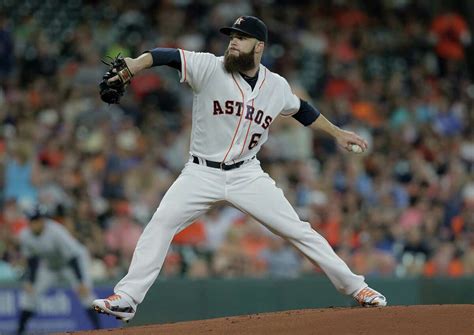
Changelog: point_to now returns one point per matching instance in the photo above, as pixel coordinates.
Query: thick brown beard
(245, 61)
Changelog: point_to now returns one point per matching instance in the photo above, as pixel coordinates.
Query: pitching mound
(406, 320)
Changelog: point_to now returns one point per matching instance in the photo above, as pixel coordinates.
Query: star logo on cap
(239, 20)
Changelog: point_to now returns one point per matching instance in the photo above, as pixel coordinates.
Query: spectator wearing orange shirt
(450, 34)
(445, 262)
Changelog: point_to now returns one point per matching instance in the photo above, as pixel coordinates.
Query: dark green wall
(185, 299)
(178, 300)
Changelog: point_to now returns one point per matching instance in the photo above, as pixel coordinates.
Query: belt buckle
(225, 167)
(221, 166)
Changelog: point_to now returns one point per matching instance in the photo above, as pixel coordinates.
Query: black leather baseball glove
(112, 91)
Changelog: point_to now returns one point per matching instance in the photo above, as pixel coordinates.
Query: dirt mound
(406, 320)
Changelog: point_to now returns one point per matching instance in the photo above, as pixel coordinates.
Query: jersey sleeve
(197, 68)
(67, 245)
(291, 103)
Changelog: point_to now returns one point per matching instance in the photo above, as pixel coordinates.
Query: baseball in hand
(355, 148)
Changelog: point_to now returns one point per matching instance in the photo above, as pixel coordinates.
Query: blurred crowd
(393, 71)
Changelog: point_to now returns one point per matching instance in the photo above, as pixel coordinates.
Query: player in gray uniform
(52, 256)
(236, 99)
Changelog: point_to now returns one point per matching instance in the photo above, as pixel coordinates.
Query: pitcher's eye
(239, 37)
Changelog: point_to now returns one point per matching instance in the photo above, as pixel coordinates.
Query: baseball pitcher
(52, 255)
(236, 99)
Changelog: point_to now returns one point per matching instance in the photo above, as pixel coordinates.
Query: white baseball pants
(248, 188)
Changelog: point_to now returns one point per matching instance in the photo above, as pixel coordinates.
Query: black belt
(220, 165)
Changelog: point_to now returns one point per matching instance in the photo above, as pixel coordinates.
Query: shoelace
(114, 297)
(365, 294)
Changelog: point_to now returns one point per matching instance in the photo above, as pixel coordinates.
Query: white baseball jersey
(230, 120)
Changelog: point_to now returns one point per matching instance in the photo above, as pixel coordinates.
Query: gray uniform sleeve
(66, 245)
(71, 250)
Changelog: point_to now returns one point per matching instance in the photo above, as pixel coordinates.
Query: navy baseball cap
(248, 25)
(37, 212)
